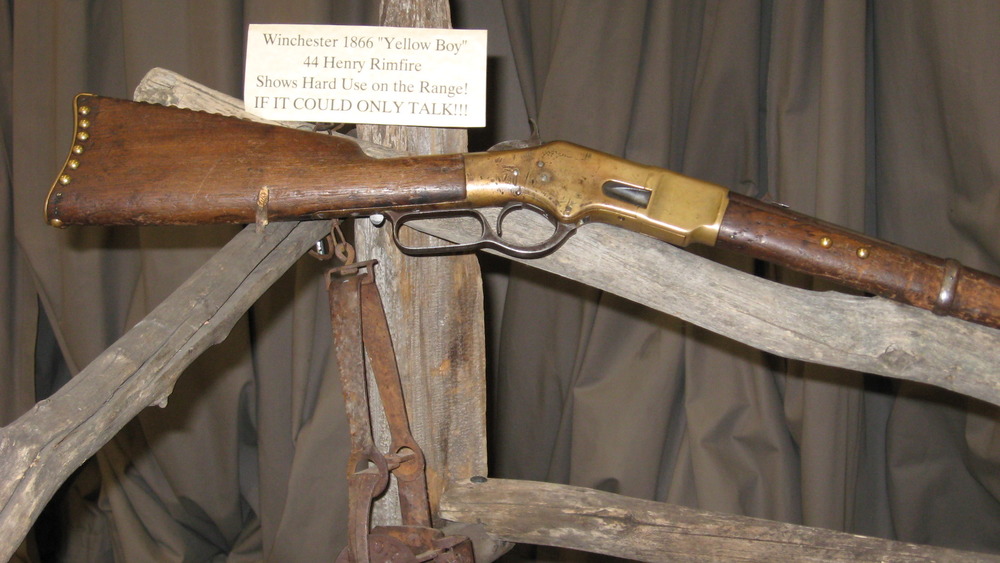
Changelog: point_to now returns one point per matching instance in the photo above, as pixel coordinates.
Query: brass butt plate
(82, 120)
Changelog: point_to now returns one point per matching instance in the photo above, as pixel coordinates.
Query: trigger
(512, 206)
(507, 208)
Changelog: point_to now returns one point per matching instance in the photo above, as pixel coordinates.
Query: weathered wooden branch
(43, 447)
(600, 522)
(866, 334)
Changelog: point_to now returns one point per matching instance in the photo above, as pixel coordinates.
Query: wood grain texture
(434, 306)
(784, 237)
(151, 175)
(600, 522)
(867, 334)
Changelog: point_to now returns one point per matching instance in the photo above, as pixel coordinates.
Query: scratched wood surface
(600, 522)
(434, 307)
(866, 334)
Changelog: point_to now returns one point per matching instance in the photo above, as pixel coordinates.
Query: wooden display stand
(443, 370)
(43, 447)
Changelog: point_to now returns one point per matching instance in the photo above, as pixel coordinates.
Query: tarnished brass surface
(569, 182)
(80, 136)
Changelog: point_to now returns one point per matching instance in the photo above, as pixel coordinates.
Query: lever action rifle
(134, 163)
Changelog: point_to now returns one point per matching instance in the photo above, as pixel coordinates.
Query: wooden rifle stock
(143, 164)
(134, 163)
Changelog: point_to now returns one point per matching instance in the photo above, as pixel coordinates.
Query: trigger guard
(512, 206)
(561, 232)
(558, 237)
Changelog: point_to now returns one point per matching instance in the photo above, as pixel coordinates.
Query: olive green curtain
(18, 305)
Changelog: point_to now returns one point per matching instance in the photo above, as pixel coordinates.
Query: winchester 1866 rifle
(142, 164)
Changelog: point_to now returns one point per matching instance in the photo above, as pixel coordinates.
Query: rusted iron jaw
(360, 330)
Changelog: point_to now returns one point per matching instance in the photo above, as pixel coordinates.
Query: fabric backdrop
(879, 116)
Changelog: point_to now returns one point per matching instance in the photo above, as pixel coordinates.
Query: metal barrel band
(951, 273)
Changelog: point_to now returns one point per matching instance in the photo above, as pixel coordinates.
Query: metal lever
(489, 237)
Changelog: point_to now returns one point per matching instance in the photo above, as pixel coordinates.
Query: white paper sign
(360, 74)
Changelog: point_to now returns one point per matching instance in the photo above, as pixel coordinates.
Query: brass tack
(84, 110)
(826, 242)
(863, 252)
(64, 179)
(56, 223)
(82, 136)
(84, 123)
(73, 164)
(77, 149)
